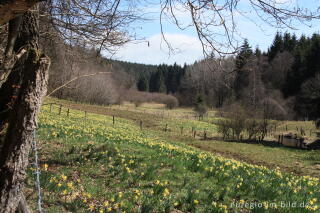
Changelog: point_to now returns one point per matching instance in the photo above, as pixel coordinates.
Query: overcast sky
(186, 43)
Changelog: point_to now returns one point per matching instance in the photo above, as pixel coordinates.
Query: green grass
(94, 166)
(301, 162)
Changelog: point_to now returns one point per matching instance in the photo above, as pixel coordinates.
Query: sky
(151, 48)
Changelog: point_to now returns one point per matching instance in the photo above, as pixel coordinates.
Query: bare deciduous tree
(215, 21)
(209, 77)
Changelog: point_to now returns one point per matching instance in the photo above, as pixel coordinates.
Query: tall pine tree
(241, 79)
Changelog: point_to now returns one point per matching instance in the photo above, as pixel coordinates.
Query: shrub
(252, 128)
(171, 102)
(223, 127)
(200, 107)
(138, 98)
(239, 121)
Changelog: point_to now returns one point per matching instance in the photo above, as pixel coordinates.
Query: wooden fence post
(60, 108)
(141, 125)
(50, 107)
(194, 133)
(205, 135)
(85, 114)
(166, 128)
(181, 130)
(113, 120)
(68, 112)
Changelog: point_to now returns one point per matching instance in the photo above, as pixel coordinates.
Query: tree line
(288, 72)
(165, 79)
(286, 76)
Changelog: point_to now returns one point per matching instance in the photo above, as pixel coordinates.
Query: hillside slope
(92, 165)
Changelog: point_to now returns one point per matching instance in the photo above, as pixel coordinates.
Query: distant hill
(135, 69)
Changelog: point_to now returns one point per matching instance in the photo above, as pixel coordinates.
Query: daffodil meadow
(91, 165)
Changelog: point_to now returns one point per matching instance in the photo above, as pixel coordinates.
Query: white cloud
(187, 50)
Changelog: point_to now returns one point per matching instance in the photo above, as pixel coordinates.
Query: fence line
(202, 132)
(166, 127)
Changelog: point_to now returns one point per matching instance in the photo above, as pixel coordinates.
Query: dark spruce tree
(276, 47)
(242, 75)
(157, 80)
(143, 84)
(200, 106)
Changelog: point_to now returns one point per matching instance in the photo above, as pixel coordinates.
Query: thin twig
(74, 79)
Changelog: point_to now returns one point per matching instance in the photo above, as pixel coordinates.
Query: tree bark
(23, 206)
(9, 9)
(15, 151)
(32, 74)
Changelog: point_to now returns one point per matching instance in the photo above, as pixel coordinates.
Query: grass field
(91, 165)
(300, 162)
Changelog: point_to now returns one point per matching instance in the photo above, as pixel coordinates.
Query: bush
(138, 98)
(200, 107)
(239, 122)
(223, 127)
(252, 128)
(171, 102)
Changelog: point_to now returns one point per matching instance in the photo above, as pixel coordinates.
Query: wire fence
(37, 172)
(180, 129)
(208, 130)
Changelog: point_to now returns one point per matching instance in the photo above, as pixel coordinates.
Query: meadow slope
(91, 165)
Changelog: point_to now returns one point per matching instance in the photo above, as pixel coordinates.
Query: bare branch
(215, 21)
(74, 79)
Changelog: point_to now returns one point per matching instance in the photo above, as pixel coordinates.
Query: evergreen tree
(153, 82)
(312, 58)
(308, 100)
(276, 47)
(257, 52)
(170, 80)
(241, 79)
(143, 84)
(289, 42)
(200, 106)
(157, 80)
(161, 83)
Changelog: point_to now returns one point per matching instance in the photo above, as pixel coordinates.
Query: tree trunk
(9, 9)
(32, 70)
